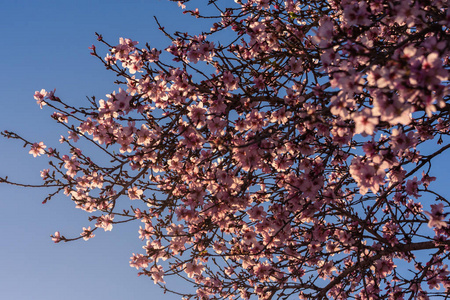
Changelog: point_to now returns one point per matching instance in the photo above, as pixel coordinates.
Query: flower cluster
(283, 164)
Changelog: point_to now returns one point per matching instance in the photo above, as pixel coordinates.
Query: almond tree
(283, 153)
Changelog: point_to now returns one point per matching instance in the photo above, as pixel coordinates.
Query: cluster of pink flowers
(37, 149)
(284, 164)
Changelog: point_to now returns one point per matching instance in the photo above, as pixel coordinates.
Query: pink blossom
(365, 123)
(249, 237)
(87, 233)
(73, 136)
(134, 193)
(197, 115)
(437, 217)
(230, 81)
(45, 173)
(259, 82)
(383, 267)
(105, 222)
(56, 237)
(157, 274)
(326, 269)
(39, 96)
(193, 269)
(139, 261)
(37, 149)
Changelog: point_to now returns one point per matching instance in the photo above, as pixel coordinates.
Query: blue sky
(45, 45)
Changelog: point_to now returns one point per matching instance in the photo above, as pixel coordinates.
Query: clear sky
(45, 45)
